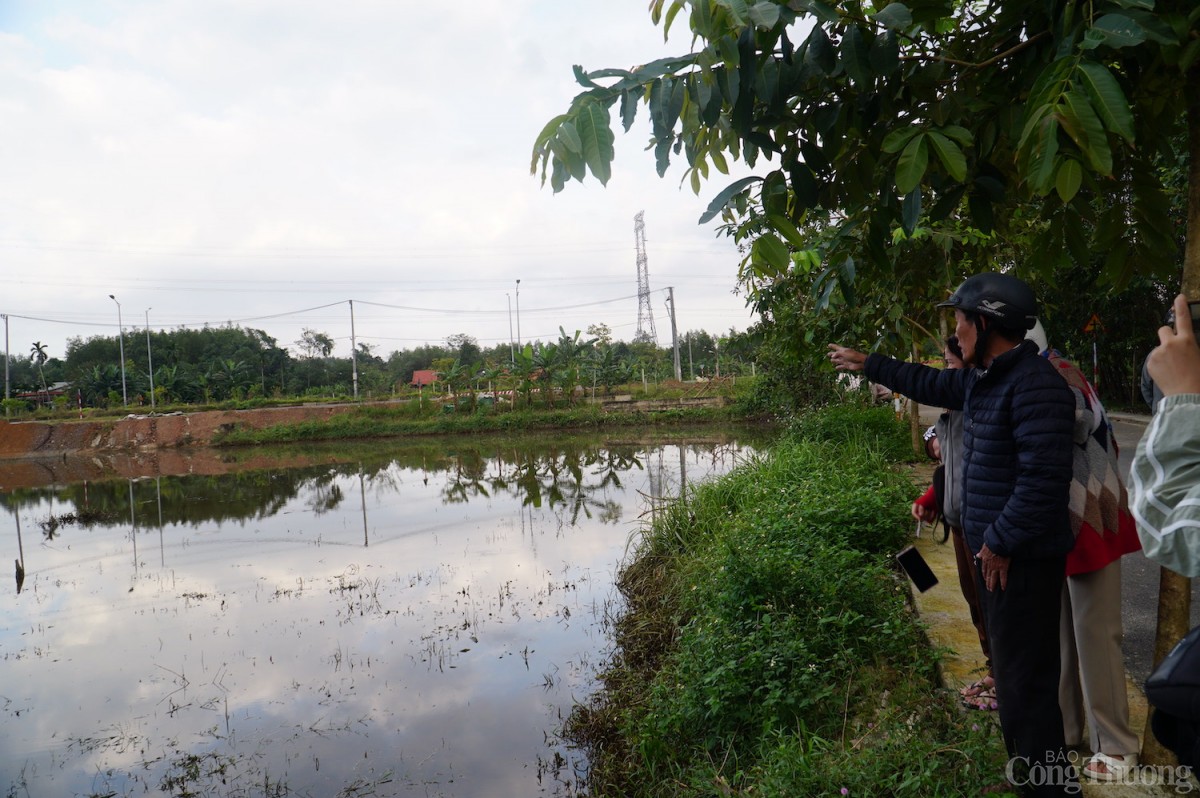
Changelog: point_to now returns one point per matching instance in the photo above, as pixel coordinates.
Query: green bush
(768, 646)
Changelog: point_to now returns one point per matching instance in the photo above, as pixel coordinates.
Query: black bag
(1173, 689)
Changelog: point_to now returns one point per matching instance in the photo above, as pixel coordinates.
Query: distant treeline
(206, 365)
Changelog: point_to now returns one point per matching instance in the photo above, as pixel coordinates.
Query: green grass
(768, 645)
(394, 420)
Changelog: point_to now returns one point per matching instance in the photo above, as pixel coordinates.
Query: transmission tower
(645, 324)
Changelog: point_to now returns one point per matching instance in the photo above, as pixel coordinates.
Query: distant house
(423, 377)
(46, 397)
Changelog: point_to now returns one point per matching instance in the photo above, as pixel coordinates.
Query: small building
(423, 377)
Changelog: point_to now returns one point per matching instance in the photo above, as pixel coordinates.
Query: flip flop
(985, 700)
(1115, 768)
(975, 688)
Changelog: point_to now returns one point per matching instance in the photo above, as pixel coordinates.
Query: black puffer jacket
(1019, 416)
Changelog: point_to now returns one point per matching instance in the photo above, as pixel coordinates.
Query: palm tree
(37, 353)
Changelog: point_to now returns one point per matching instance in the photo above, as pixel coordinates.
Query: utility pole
(149, 358)
(6, 389)
(512, 352)
(121, 342)
(674, 332)
(518, 312)
(353, 350)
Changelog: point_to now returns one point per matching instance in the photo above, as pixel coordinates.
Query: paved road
(1139, 576)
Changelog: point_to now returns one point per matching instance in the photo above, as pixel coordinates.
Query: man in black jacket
(1017, 464)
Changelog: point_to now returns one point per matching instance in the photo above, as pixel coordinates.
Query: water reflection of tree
(571, 478)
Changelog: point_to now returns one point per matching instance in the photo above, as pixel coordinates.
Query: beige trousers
(1092, 684)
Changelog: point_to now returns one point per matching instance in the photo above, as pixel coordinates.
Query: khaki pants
(1092, 681)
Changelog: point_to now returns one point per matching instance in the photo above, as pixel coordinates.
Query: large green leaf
(821, 10)
(541, 143)
(910, 168)
(570, 137)
(764, 14)
(721, 200)
(897, 139)
(676, 7)
(1083, 126)
(910, 212)
(738, 10)
(820, 52)
(1042, 154)
(769, 250)
(788, 230)
(1120, 30)
(1107, 98)
(855, 56)
(596, 138)
(958, 133)
(1068, 180)
(895, 16)
(629, 106)
(949, 153)
(885, 53)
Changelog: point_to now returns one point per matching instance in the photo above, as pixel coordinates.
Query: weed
(767, 645)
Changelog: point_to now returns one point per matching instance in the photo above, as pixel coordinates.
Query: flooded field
(418, 621)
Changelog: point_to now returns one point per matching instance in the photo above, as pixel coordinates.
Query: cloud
(224, 161)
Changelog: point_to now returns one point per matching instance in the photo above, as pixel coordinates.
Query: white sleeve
(1165, 485)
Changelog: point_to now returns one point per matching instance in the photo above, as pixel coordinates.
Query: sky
(265, 162)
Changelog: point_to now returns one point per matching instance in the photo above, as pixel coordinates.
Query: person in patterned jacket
(1092, 684)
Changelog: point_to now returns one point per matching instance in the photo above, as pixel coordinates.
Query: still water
(417, 621)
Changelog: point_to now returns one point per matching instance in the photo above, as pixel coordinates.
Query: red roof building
(423, 377)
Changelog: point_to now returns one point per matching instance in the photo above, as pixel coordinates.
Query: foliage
(767, 647)
(213, 365)
(878, 112)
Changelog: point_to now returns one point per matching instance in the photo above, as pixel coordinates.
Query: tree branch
(981, 64)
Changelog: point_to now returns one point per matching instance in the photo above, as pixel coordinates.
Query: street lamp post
(121, 342)
(518, 312)
(512, 352)
(5, 317)
(149, 358)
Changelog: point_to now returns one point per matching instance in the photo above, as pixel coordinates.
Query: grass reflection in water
(412, 619)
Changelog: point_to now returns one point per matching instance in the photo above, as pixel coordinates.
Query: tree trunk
(914, 414)
(1175, 590)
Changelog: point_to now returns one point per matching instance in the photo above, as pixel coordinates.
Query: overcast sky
(218, 161)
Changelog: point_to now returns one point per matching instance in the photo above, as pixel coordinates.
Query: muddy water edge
(387, 619)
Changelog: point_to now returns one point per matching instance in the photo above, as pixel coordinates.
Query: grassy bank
(768, 646)
(393, 420)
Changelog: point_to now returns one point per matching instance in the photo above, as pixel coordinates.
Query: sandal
(1103, 767)
(975, 688)
(984, 700)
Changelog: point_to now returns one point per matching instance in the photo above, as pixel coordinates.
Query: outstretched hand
(1175, 363)
(844, 358)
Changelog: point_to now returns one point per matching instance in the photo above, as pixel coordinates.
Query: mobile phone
(918, 570)
(1194, 309)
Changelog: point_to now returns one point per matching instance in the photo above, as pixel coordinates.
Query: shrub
(768, 646)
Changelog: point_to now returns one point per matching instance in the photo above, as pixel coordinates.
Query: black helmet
(1007, 300)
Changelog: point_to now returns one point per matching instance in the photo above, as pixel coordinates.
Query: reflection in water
(414, 621)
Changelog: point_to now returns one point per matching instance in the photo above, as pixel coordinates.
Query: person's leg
(1096, 599)
(1070, 694)
(1023, 625)
(966, 583)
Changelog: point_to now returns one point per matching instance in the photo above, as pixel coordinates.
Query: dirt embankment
(143, 433)
(37, 453)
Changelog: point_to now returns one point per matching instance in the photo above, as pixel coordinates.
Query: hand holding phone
(1175, 363)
